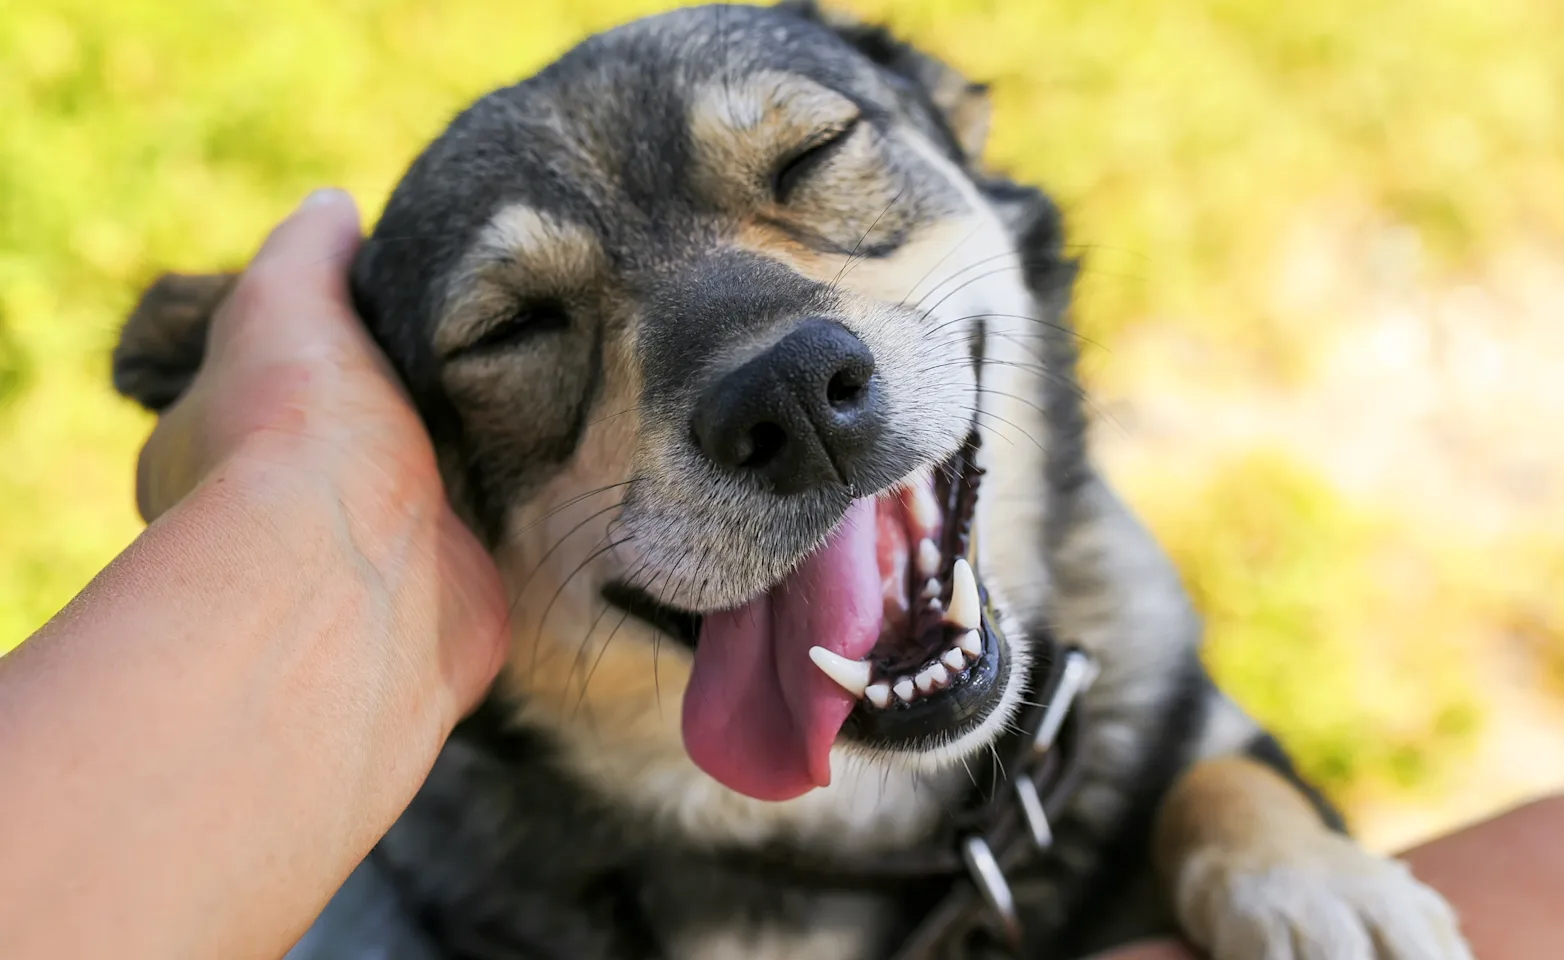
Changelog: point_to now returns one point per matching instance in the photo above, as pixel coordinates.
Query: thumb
(296, 287)
(291, 304)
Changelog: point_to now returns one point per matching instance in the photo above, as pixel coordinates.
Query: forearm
(196, 749)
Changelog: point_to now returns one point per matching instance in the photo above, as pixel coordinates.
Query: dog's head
(710, 321)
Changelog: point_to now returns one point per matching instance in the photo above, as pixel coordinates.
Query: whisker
(1060, 327)
(537, 639)
(981, 262)
(939, 263)
(586, 639)
(593, 423)
(985, 413)
(924, 315)
(577, 499)
(543, 560)
(849, 261)
(1017, 398)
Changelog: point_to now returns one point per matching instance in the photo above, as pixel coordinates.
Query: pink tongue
(759, 716)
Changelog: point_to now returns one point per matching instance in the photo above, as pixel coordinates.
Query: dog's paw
(1331, 901)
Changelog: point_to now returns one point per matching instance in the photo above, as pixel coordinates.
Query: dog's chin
(939, 678)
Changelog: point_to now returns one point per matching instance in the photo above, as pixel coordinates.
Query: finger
(294, 294)
(290, 302)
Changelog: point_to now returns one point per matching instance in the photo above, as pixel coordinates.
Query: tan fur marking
(741, 126)
(1231, 803)
(768, 241)
(519, 253)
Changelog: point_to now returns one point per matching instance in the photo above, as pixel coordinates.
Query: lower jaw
(937, 718)
(956, 711)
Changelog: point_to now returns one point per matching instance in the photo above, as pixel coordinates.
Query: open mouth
(882, 636)
(935, 667)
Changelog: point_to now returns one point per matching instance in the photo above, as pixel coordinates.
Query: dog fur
(551, 278)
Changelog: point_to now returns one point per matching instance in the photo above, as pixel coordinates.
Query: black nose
(801, 415)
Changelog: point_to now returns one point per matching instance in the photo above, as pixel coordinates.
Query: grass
(1188, 140)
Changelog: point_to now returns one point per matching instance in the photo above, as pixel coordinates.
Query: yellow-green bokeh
(1182, 137)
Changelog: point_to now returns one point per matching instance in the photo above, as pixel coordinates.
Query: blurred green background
(1324, 276)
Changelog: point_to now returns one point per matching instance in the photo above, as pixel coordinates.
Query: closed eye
(527, 321)
(798, 165)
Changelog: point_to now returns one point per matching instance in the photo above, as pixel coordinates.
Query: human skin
(202, 745)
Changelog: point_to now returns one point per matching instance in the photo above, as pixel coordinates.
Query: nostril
(801, 414)
(763, 445)
(845, 388)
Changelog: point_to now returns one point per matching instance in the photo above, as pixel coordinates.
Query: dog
(760, 390)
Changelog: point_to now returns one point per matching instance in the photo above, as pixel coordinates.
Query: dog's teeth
(928, 557)
(954, 659)
(931, 589)
(850, 675)
(879, 694)
(936, 606)
(925, 512)
(904, 689)
(963, 597)
(971, 644)
(933, 677)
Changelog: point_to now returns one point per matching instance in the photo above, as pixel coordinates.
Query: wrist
(377, 532)
(381, 517)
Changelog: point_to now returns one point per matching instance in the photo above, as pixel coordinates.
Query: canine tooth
(925, 512)
(928, 557)
(971, 644)
(904, 689)
(850, 675)
(954, 659)
(931, 589)
(964, 596)
(925, 680)
(938, 676)
(879, 694)
(936, 606)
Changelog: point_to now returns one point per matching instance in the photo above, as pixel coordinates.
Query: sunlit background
(1323, 250)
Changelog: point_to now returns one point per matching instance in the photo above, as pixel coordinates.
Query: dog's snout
(801, 415)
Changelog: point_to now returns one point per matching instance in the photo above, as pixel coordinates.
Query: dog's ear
(961, 106)
(161, 345)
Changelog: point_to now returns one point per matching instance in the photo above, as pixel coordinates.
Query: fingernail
(325, 196)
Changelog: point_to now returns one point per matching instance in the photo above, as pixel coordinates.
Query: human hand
(296, 407)
(237, 708)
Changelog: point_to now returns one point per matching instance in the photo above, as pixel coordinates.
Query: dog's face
(701, 318)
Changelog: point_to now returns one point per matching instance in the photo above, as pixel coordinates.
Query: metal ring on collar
(991, 883)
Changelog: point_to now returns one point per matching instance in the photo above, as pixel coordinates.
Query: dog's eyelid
(799, 162)
(523, 322)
